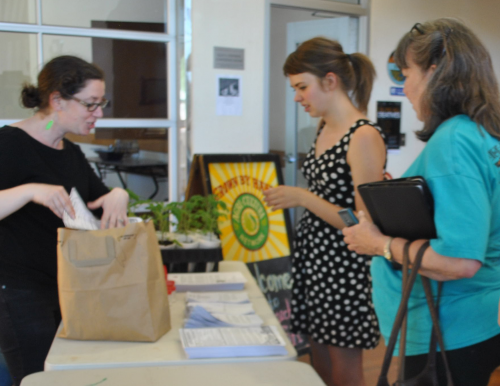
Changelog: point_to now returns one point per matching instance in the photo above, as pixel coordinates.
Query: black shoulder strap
(400, 323)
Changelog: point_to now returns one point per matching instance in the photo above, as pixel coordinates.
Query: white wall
(241, 24)
(232, 24)
(390, 19)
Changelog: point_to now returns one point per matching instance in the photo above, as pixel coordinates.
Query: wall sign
(229, 58)
(394, 71)
(397, 91)
(389, 120)
(229, 97)
(252, 232)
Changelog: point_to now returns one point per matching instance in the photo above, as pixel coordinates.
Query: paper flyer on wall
(229, 95)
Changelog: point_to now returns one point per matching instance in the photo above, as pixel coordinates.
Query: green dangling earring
(49, 125)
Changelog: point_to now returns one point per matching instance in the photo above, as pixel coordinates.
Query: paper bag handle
(91, 262)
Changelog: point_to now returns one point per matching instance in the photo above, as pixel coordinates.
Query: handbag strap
(401, 320)
(402, 339)
(436, 335)
(382, 381)
(436, 330)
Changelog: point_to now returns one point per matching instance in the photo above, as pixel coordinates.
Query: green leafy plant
(161, 217)
(210, 213)
(133, 202)
(185, 214)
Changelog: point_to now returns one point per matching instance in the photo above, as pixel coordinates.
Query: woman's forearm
(434, 265)
(13, 199)
(322, 208)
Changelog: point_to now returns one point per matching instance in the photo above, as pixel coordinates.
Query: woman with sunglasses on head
(451, 84)
(331, 294)
(38, 168)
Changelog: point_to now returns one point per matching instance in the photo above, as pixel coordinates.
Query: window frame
(171, 123)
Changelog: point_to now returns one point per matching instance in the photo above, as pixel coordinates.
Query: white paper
(84, 219)
(199, 317)
(207, 278)
(232, 342)
(212, 281)
(233, 309)
(217, 297)
(240, 320)
(229, 95)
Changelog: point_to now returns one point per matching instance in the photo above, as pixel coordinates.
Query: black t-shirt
(28, 237)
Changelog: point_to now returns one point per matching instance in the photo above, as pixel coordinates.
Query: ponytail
(319, 56)
(364, 75)
(30, 97)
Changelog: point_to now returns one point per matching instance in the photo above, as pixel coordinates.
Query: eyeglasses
(91, 107)
(418, 28)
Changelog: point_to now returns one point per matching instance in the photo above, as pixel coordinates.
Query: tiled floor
(372, 361)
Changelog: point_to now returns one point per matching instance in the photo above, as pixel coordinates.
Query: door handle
(290, 158)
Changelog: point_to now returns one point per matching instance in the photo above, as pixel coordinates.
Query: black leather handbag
(402, 207)
(428, 376)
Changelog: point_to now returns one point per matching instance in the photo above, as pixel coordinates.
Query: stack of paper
(223, 308)
(217, 297)
(212, 281)
(220, 309)
(199, 317)
(232, 342)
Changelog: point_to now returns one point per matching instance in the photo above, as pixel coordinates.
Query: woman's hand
(53, 197)
(283, 197)
(364, 238)
(114, 205)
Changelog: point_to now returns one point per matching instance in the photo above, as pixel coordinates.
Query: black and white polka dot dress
(331, 294)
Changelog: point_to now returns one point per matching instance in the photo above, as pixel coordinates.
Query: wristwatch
(387, 250)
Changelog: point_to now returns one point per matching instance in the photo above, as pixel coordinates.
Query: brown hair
(66, 74)
(463, 81)
(319, 56)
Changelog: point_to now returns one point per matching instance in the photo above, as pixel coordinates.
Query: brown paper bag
(112, 284)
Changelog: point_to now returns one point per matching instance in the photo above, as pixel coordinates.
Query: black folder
(401, 207)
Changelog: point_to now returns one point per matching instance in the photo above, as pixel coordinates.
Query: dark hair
(66, 74)
(319, 56)
(463, 81)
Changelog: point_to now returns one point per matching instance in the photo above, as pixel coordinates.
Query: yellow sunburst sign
(251, 231)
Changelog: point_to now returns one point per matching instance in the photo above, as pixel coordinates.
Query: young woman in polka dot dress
(331, 295)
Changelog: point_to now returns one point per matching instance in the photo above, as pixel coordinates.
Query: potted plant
(161, 218)
(133, 204)
(208, 217)
(186, 223)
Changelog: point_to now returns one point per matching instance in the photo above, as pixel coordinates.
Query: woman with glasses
(38, 167)
(453, 89)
